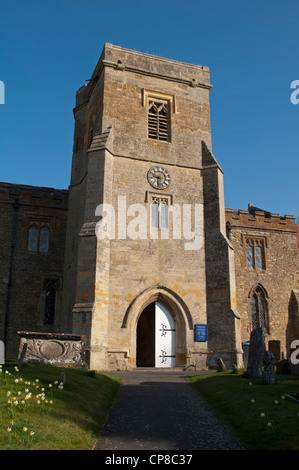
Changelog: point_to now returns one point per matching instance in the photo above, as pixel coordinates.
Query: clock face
(158, 177)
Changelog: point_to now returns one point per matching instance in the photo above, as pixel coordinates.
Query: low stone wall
(53, 348)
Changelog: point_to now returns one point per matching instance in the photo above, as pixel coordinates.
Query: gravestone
(256, 353)
(269, 368)
(221, 365)
(295, 369)
(22, 355)
(274, 347)
(2, 353)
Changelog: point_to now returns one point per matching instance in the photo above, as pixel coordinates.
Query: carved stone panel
(52, 348)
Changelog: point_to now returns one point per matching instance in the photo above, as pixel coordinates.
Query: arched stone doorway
(156, 337)
(179, 311)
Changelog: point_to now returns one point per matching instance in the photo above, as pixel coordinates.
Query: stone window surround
(256, 291)
(151, 197)
(55, 278)
(264, 243)
(147, 96)
(30, 218)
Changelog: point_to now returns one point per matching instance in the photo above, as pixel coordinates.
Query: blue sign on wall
(201, 333)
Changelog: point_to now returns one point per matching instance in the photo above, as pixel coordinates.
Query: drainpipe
(16, 206)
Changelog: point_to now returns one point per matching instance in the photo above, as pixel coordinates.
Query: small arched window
(159, 212)
(259, 309)
(90, 137)
(50, 302)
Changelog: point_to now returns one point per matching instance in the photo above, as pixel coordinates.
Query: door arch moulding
(161, 294)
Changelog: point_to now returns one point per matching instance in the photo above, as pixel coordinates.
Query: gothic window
(90, 137)
(159, 212)
(255, 253)
(158, 120)
(38, 236)
(50, 298)
(259, 310)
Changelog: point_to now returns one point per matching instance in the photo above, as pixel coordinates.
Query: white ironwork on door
(164, 337)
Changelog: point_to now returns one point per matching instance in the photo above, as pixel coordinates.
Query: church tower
(149, 271)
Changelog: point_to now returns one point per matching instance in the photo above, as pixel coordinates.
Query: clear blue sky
(48, 48)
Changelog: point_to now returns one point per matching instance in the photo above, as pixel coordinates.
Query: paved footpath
(157, 409)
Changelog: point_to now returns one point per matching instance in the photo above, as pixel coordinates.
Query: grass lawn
(37, 413)
(258, 415)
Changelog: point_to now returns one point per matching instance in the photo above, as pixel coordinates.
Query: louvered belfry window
(158, 120)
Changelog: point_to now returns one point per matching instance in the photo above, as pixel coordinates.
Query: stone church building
(139, 256)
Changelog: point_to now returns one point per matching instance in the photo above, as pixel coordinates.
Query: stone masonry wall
(278, 279)
(25, 306)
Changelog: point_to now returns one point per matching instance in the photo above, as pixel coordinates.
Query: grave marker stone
(269, 368)
(256, 353)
